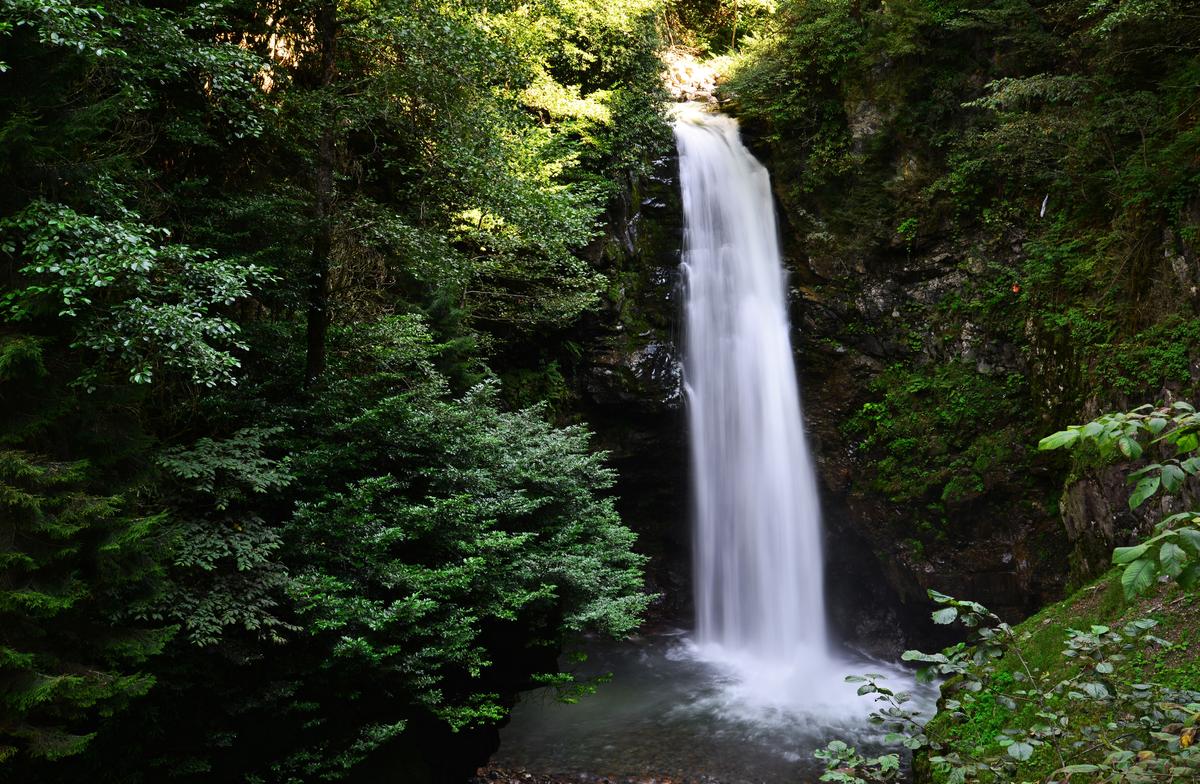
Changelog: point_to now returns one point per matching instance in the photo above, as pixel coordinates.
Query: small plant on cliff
(907, 232)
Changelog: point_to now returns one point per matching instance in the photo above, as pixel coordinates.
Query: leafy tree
(244, 248)
(225, 570)
(437, 527)
(136, 303)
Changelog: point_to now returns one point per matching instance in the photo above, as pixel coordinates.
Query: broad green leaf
(945, 615)
(1123, 555)
(1147, 487)
(1190, 537)
(1172, 478)
(1129, 447)
(1170, 520)
(933, 658)
(1020, 751)
(1137, 577)
(1058, 440)
(1145, 470)
(1172, 557)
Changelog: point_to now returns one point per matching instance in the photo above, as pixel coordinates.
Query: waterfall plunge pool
(679, 712)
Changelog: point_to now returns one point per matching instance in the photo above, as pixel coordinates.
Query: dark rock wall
(1026, 534)
(629, 380)
(1000, 546)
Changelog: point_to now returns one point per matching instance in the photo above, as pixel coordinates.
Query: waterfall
(759, 686)
(757, 531)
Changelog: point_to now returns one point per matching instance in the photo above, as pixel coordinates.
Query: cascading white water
(758, 563)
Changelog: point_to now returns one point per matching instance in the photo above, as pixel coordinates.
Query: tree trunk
(318, 293)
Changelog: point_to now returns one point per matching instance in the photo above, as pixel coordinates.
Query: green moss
(940, 432)
(1151, 359)
(525, 387)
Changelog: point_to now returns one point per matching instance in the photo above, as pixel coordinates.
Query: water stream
(758, 685)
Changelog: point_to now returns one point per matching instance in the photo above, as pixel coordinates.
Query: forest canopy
(264, 515)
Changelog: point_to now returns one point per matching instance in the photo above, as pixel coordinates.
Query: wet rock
(644, 374)
(865, 121)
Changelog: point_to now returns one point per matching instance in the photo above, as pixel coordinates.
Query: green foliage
(136, 302)
(793, 76)
(361, 557)
(716, 27)
(427, 524)
(1052, 145)
(1008, 713)
(69, 563)
(1155, 358)
(940, 433)
(502, 129)
(225, 571)
(508, 506)
(845, 765)
(1174, 551)
(393, 554)
(1012, 710)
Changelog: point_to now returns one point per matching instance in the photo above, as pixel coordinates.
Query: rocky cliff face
(628, 380)
(999, 539)
(1096, 517)
(878, 329)
(973, 269)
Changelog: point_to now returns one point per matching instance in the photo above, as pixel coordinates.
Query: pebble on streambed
(494, 775)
